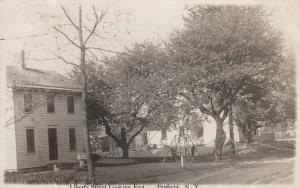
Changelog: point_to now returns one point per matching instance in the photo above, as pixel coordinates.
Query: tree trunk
(220, 139)
(124, 143)
(232, 146)
(242, 136)
(248, 136)
(248, 132)
(125, 151)
(90, 164)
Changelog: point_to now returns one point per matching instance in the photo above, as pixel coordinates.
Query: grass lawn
(261, 164)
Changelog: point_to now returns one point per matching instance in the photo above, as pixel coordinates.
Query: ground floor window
(72, 138)
(145, 138)
(30, 140)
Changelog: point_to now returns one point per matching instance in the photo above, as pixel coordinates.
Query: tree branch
(59, 57)
(225, 113)
(97, 22)
(205, 111)
(69, 18)
(67, 37)
(212, 105)
(105, 50)
(108, 130)
(135, 134)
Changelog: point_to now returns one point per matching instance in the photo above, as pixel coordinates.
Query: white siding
(40, 120)
(209, 133)
(10, 156)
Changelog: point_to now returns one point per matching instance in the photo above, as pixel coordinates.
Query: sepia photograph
(165, 94)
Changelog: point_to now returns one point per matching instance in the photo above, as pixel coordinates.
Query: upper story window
(50, 104)
(27, 102)
(70, 101)
(30, 140)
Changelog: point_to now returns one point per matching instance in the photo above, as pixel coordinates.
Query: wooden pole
(181, 156)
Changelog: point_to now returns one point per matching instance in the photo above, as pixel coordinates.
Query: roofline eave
(46, 87)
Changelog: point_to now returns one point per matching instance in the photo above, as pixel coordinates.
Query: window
(30, 140)
(200, 131)
(70, 101)
(145, 138)
(181, 131)
(27, 102)
(50, 104)
(133, 144)
(72, 139)
(164, 134)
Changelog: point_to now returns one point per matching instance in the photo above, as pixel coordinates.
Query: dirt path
(264, 172)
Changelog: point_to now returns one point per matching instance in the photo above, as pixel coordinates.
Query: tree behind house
(219, 53)
(125, 95)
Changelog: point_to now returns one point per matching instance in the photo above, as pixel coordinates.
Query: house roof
(34, 78)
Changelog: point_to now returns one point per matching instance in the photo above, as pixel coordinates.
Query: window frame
(27, 143)
(50, 95)
(30, 106)
(72, 147)
(73, 97)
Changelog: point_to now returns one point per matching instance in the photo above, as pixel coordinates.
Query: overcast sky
(126, 22)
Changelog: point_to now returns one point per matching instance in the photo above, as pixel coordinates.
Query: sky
(28, 25)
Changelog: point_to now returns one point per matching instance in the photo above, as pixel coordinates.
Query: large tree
(221, 52)
(126, 96)
(271, 104)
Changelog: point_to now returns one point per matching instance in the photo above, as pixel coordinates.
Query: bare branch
(93, 54)
(67, 37)
(97, 22)
(69, 18)
(43, 59)
(59, 57)
(105, 50)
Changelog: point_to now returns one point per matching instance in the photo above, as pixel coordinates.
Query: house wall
(209, 133)
(9, 141)
(155, 137)
(40, 120)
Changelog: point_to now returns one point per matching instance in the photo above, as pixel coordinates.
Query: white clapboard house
(161, 138)
(43, 118)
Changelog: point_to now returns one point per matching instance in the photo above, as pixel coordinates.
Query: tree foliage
(222, 53)
(126, 95)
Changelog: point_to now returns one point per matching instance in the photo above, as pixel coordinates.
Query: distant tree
(220, 53)
(271, 104)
